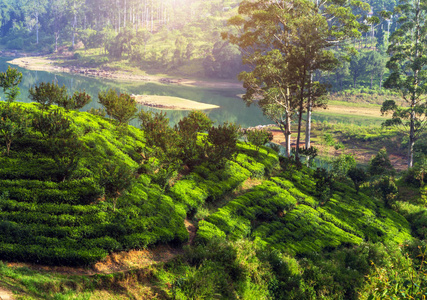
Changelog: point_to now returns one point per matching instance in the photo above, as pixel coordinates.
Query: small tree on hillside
(52, 124)
(80, 99)
(188, 128)
(9, 81)
(116, 178)
(46, 94)
(358, 176)
(381, 164)
(259, 137)
(121, 107)
(223, 142)
(342, 164)
(13, 123)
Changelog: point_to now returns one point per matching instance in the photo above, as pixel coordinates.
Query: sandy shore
(172, 103)
(51, 64)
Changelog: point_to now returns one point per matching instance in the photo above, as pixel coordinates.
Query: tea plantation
(81, 187)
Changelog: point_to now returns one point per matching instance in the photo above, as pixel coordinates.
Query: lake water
(232, 108)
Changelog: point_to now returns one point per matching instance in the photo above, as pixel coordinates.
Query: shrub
(380, 164)
(208, 231)
(387, 189)
(13, 123)
(9, 81)
(259, 137)
(342, 164)
(121, 107)
(192, 150)
(358, 176)
(46, 94)
(223, 142)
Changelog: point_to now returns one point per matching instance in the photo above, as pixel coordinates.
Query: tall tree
(33, 9)
(407, 64)
(57, 9)
(285, 42)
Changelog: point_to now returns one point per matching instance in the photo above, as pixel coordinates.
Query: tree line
(286, 42)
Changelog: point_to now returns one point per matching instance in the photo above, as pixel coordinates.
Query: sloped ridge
(286, 218)
(47, 219)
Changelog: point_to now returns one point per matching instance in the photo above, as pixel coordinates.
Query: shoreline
(50, 64)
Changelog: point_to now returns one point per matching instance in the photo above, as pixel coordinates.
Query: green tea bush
(69, 219)
(207, 231)
(286, 218)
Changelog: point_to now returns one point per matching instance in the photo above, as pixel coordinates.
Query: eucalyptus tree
(408, 67)
(75, 7)
(284, 42)
(33, 9)
(57, 12)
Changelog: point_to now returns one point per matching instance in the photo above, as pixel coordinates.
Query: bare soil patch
(362, 153)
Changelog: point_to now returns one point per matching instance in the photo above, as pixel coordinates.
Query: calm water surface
(232, 108)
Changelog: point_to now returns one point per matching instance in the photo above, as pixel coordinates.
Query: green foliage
(53, 124)
(116, 180)
(55, 216)
(206, 271)
(290, 220)
(223, 142)
(46, 94)
(387, 189)
(380, 164)
(407, 281)
(9, 82)
(324, 184)
(259, 137)
(80, 99)
(192, 151)
(13, 123)
(358, 176)
(121, 107)
(342, 164)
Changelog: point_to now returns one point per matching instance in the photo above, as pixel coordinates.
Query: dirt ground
(362, 155)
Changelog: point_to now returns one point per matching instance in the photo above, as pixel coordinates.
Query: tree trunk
(411, 141)
(301, 108)
(308, 121)
(37, 27)
(74, 24)
(8, 143)
(288, 135)
(56, 41)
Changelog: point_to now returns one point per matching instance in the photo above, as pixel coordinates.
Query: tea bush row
(284, 217)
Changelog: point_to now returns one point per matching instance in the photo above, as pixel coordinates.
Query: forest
(117, 202)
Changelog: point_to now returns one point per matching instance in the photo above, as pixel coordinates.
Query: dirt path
(5, 295)
(121, 261)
